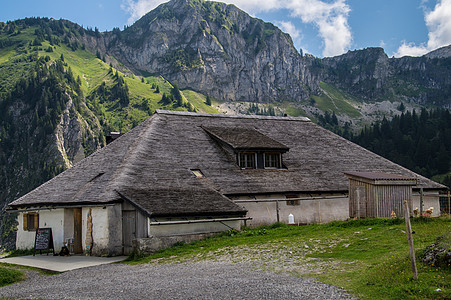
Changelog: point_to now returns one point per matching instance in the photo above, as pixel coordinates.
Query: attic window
(198, 173)
(273, 160)
(30, 221)
(247, 160)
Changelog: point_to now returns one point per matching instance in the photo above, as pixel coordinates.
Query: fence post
(421, 201)
(410, 239)
(449, 204)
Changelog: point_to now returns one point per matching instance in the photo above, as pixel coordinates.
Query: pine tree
(176, 93)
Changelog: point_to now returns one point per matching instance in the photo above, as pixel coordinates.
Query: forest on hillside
(419, 141)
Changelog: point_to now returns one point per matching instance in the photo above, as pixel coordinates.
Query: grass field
(368, 258)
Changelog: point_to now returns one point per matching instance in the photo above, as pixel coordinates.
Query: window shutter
(36, 221)
(25, 221)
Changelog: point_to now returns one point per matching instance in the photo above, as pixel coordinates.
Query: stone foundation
(155, 243)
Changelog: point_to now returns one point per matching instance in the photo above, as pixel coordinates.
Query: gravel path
(199, 280)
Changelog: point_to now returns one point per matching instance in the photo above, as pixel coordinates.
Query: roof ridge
(259, 117)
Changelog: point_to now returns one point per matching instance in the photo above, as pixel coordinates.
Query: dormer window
(247, 160)
(252, 149)
(273, 160)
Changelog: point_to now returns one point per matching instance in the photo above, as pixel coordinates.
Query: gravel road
(198, 280)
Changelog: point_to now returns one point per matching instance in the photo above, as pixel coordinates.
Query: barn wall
(106, 230)
(304, 212)
(430, 199)
(391, 198)
(115, 232)
(47, 219)
(164, 236)
(68, 223)
(192, 228)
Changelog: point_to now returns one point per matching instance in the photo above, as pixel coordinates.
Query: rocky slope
(371, 75)
(216, 49)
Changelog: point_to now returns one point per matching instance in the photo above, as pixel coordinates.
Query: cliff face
(216, 49)
(221, 51)
(369, 74)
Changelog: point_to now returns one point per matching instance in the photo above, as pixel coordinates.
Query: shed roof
(380, 178)
(153, 162)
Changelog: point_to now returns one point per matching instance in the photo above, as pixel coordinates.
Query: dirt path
(204, 279)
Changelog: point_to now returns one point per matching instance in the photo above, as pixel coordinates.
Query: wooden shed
(377, 195)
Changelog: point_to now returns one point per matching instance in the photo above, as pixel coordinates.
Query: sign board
(43, 240)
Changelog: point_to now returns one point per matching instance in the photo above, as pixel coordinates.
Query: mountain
(220, 51)
(216, 49)
(371, 75)
(443, 52)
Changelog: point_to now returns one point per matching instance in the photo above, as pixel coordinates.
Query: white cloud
(139, 8)
(438, 22)
(331, 18)
(289, 28)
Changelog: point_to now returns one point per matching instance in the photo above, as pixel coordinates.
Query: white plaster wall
(106, 227)
(24, 239)
(53, 218)
(430, 199)
(307, 212)
(192, 228)
(100, 224)
(68, 223)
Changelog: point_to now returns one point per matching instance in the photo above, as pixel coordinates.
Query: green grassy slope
(333, 99)
(25, 42)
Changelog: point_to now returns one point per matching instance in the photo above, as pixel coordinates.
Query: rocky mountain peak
(217, 49)
(443, 52)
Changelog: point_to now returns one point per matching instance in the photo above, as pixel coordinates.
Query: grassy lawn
(368, 258)
(10, 276)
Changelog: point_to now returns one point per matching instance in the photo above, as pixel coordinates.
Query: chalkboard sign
(43, 240)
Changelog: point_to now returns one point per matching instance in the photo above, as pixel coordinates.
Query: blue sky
(319, 27)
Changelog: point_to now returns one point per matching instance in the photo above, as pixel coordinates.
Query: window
(247, 160)
(30, 221)
(272, 160)
(295, 201)
(198, 173)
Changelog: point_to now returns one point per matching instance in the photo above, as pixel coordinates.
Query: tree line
(419, 141)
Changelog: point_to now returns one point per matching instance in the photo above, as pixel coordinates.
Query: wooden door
(78, 247)
(128, 230)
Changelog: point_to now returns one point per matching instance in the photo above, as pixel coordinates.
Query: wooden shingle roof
(151, 165)
(240, 138)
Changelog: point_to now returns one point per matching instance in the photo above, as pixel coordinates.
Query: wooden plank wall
(391, 198)
(365, 207)
(379, 200)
